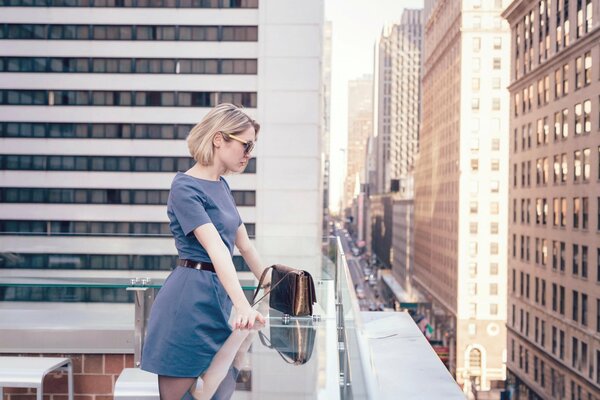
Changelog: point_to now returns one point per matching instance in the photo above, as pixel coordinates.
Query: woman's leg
(171, 388)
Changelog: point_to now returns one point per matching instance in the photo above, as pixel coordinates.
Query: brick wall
(94, 377)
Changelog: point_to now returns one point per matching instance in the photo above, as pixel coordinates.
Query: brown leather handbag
(292, 290)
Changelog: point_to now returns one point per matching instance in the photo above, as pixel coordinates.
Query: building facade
(96, 102)
(360, 127)
(398, 98)
(326, 113)
(554, 256)
(461, 185)
(403, 243)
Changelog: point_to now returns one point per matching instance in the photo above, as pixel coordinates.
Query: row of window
(130, 262)
(579, 312)
(94, 228)
(125, 98)
(579, 260)
(90, 228)
(133, 3)
(524, 31)
(582, 123)
(89, 261)
(101, 163)
(94, 131)
(129, 32)
(560, 169)
(243, 198)
(128, 65)
(581, 361)
(580, 208)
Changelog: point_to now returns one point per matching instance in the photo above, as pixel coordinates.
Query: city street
(357, 265)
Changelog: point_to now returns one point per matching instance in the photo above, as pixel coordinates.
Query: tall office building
(554, 257)
(360, 127)
(96, 99)
(398, 98)
(326, 113)
(382, 110)
(461, 184)
(405, 100)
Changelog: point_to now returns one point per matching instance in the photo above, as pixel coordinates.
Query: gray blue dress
(189, 318)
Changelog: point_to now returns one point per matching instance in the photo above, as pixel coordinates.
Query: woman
(189, 318)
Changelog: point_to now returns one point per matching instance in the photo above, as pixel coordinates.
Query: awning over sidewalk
(407, 298)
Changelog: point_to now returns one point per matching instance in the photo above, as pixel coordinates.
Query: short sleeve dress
(189, 318)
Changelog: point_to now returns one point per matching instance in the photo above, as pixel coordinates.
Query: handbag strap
(260, 283)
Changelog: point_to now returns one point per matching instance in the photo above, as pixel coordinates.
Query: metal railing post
(144, 297)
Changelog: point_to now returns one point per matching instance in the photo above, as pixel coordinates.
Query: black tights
(171, 388)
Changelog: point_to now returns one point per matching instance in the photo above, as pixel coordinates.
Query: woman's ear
(218, 140)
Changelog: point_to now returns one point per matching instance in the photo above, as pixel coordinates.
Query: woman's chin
(241, 167)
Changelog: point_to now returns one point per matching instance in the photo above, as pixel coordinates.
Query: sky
(356, 26)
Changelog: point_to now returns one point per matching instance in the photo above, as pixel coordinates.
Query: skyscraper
(96, 99)
(554, 256)
(326, 113)
(460, 185)
(398, 98)
(360, 127)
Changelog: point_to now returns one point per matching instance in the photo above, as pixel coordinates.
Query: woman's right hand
(246, 317)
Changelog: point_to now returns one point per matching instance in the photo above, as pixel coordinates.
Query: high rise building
(461, 184)
(554, 255)
(360, 127)
(96, 99)
(326, 113)
(398, 96)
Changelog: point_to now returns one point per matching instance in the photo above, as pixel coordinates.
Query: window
(577, 165)
(574, 358)
(495, 104)
(497, 43)
(473, 227)
(561, 347)
(584, 306)
(557, 83)
(476, 44)
(584, 212)
(565, 77)
(587, 66)
(564, 167)
(497, 63)
(565, 123)
(494, 309)
(561, 303)
(578, 119)
(587, 112)
(496, 83)
(576, 211)
(578, 73)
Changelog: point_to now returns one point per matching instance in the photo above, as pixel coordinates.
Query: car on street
(360, 292)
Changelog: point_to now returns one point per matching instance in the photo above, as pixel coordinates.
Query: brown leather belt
(203, 266)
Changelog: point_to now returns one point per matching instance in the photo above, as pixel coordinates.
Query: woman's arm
(220, 364)
(209, 238)
(249, 253)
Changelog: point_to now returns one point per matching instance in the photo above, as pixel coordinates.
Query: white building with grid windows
(96, 99)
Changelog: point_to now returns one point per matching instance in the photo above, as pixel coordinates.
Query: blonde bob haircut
(225, 117)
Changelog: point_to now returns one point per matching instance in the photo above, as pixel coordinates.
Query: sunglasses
(248, 144)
